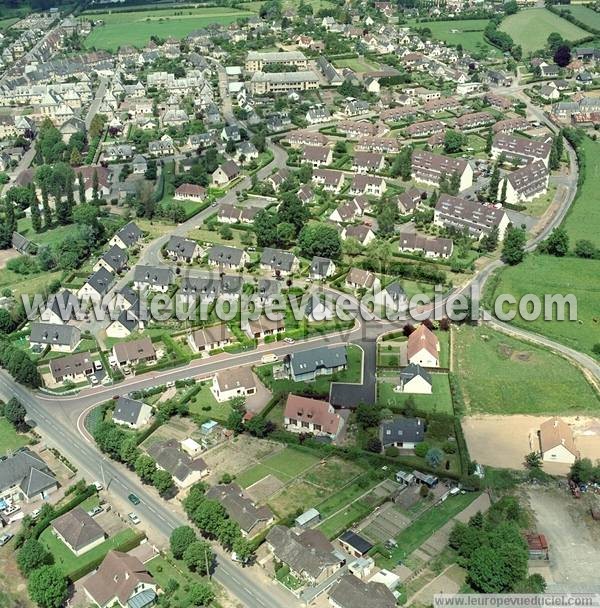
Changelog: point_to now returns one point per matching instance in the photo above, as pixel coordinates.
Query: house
(321, 268)
(20, 244)
(425, 128)
(368, 162)
(308, 555)
(354, 544)
(59, 337)
(510, 125)
(125, 324)
(131, 412)
(121, 580)
(549, 71)
(476, 120)
(162, 147)
(477, 219)
(362, 233)
(520, 150)
(415, 379)
(97, 286)
(225, 173)
(355, 107)
(303, 137)
(190, 192)
(306, 365)
(278, 178)
(401, 432)
(184, 469)
(267, 290)
(549, 92)
(227, 257)
(497, 78)
(181, 249)
(317, 156)
(61, 308)
(114, 260)
(259, 329)
(423, 347)
(78, 530)
(127, 237)
(317, 114)
(305, 194)
(317, 310)
(25, 476)
(357, 278)
(139, 164)
(240, 508)
(331, 181)
(350, 591)
(392, 298)
(556, 442)
(210, 338)
(155, 278)
(526, 183)
(134, 352)
(412, 242)
(346, 212)
(279, 262)
(433, 168)
(304, 415)
(237, 382)
(73, 368)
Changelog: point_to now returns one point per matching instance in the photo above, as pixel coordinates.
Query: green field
(135, 28)
(584, 14)
(583, 220)
(204, 405)
(439, 401)
(284, 465)
(501, 375)
(48, 237)
(10, 440)
(357, 64)
(467, 32)
(288, 4)
(530, 28)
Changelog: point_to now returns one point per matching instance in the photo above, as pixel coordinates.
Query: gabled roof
(153, 275)
(128, 410)
(314, 411)
(101, 281)
(277, 259)
(351, 592)
(421, 338)
(54, 333)
(169, 457)
(401, 429)
(310, 360)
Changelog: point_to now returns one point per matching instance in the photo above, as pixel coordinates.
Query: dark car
(133, 499)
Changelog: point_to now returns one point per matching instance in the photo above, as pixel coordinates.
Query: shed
(308, 518)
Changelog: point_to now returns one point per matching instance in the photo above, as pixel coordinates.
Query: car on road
(133, 499)
(98, 486)
(134, 519)
(289, 340)
(4, 539)
(95, 511)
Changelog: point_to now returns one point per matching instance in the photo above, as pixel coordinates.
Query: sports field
(135, 28)
(467, 32)
(530, 28)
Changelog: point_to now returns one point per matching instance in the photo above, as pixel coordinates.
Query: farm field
(518, 378)
(10, 440)
(544, 274)
(439, 401)
(135, 28)
(530, 28)
(467, 32)
(584, 14)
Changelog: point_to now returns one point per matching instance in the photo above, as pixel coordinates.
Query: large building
(431, 169)
(526, 183)
(520, 150)
(283, 82)
(257, 60)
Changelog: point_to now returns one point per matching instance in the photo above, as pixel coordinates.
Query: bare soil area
(6, 255)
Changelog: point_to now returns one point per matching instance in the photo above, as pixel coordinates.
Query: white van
(269, 358)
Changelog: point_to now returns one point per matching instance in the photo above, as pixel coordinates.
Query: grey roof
(181, 246)
(153, 275)
(116, 258)
(127, 410)
(277, 259)
(78, 528)
(128, 319)
(351, 592)
(311, 360)
(362, 545)
(395, 291)
(101, 281)
(239, 506)
(54, 333)
(413, 370)
(169, 457)
(231, 284)
(221, 254)
(130, 234)
(405, 430)
(28, 471)
(200, 286)
(320, 265)
(268, 287)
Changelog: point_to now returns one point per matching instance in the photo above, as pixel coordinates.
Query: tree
(511, 7)
(554, 41)
(367, 415)
(181, 538)
(585, 249)
(533, 460)
(434, 457)
(145, 467)
(235, 421)
(513, 250)
(259, 426)
(15, 413)
(198, 556)
(31, 556)
(494, 183)
(47, 587)
(562, 56)
(163, 482)
(200, 594)
(209, 515)
(373, 445)
(194, 498)
(489, 242)
(95, 186)
(453, 141)
(228, 532)
(129, 451)
(582, 471)
(46, 211)
(502, 200)
(489, 141)
(265, 228)
(81, 187)
(557, 243)
(242, 549)
(320, 239)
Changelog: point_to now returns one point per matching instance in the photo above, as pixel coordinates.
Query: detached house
(317, 156)
(227, 257)
(307, 365)
(415, 379)
(321, 268)
(304, 415)
(238, 382)
(184, 469)
(368, 162)
(114, 260)
(331, 181)
(127, 237)
(181, 249)
(370, 185)
(97, 286)
(190, 192)
(423, 347)
(154, 278)
(363, 234)
(78, 531)
(25, 476)
(225, 173)
(140, 351)
(556, 442)
(402, 432)
(279, 262)
(59, 337)
(210, 338)
(74, 368)
(358, 278)
(131, 412)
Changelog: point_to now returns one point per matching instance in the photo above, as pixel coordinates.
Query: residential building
(131, 412)
(154, 278)
(190, 192)
(114, 260)
(354, 544)
(61, 307)
(74, 368)
(181, 249)
(97, 286)
(210, 338)
(520, 150)
(331, 181)
(135, 352)
(351, 592)
(78, 531)
(321, 268)
(526, 183)
(25, 476)
(556, 442)
(476, 120)
(433, 168)
(59, 337)
(184, 469)
(259, 329)
(307, 365)
(317, 156)
(225, 173)
(263, 83)
(304, 415)
(362, 233)
(357, 278)
(436, 247)
(238, 382)
(278, 261)
(127, 237)
(368, 162)
(227, 257)
(370, 185)
(401, 432)
(423, 347)
(415, 379)
(392, 298)
(257, 60)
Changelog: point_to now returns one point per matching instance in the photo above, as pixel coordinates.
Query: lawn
(530, 28)
(342, 520)
(48, 237)
(468, 33)
(203, 235)
(10, 440)
(284, 465)
(584, 14)
(357, 64)
(26, 284)
(135, 28)
(288, 4)
(501, 375)
(543, 274)
(69, 563)
(439, 401)
(204, 405)
(583, 219)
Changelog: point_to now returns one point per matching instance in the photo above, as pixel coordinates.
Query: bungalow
(362, 233)
(415, 379)
(131, 412)
(140, 351)
(278, 178)
(78, 531)
(401, 432)
(154, 278)
(225, 173)
(181, 249)
(368, 162)
(74, 368)
(350, 591)
(321, 268)
(306, 365)
(169, 457)
(25, 476)
(259, 329)
(357, 278)
(556, 442)
(279, 262)
(127, 237)
(97, 286)
(210, 338)
(236, 382)
(190, 192)
(304, 415)
(114, 260)
(227, 257)
(59, 337)
(368, 184)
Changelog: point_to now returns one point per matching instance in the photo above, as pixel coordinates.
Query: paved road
(96, 103)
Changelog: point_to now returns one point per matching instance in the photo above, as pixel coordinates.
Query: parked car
(97, 365)
(134, 519)
(4, 539)
(289, 340)
(36, 513)
(95, 511)
(133, 499)
(98, 486)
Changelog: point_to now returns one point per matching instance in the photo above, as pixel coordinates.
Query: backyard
(502, 375)
(440, 400)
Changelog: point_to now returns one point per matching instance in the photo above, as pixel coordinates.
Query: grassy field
(135, 28)
(501, 375)
(10, 440)
(584, 14)
(205, 405)
(530, 28)
(288, 4)
(439, 401)
(540, 275)
(467, 32)
(28, 284)
(284, 465)
(357, 64)
(583, 219)
(49, 237)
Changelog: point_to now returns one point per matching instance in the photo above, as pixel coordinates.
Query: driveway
(349, 395)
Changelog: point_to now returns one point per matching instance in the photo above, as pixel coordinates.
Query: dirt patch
(522, 356)
(6, 255)
(449, 581)
(503, 441)
(176, 428)
(264, 488)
